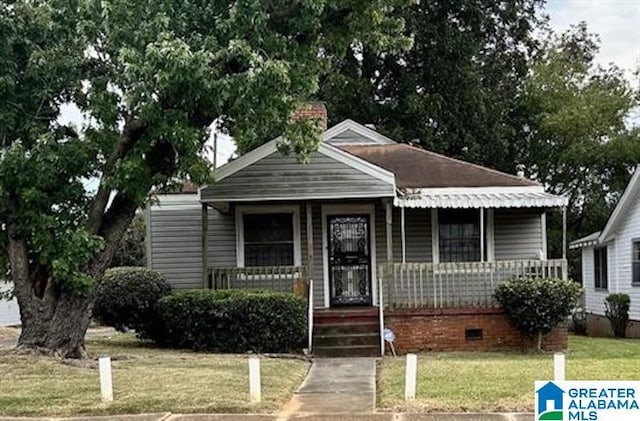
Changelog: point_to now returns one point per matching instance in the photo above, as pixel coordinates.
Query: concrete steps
(346, 332)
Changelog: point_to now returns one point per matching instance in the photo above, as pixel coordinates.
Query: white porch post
(389, 223)
(402, 235)
(482, 234)
(435, 236)
(204, 246)
(565, 268)
(543, 224)
(309, 217)
(491, 254)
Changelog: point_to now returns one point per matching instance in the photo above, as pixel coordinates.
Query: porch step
(346, 328)
(346, 332)
(354, 315)
(347, 351)
(339, 339)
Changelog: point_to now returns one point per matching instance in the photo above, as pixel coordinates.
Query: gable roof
(627, 200)
(365, 134)
(418, 168)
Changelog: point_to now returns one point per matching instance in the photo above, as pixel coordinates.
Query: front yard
(488, 382)
(145, 380)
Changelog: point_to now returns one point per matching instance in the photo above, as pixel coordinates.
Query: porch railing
(275, 278)
(448, 285)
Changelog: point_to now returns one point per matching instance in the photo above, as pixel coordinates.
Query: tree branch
(132, 133)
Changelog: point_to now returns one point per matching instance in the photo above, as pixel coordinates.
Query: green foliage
(534, 306)
(232, 321)
(127, 297)
(132, 250)
(457, 91)
(617, 311)
(150, 77)
(578, 111)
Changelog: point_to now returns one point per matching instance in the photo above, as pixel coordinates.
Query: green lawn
(469, 382)
(145, 379)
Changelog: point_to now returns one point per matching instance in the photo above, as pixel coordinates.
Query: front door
(349, 260)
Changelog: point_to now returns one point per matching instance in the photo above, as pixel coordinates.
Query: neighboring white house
(9, 310)
(611, 257)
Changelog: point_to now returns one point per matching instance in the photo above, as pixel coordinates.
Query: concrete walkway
(299, 417)
(336, 385)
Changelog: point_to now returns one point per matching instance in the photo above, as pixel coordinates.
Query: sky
(617, 22)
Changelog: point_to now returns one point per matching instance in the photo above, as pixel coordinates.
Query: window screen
(459, 235)
(600, 270)
(268, 239)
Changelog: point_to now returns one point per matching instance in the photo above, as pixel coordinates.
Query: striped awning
(512, 197)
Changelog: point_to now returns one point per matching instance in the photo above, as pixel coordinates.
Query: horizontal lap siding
(628, 230)
(594, 299)
(349, 137)
(221, 244)
(282, 177)
(175, 236)
(517, 234)
(417, 239)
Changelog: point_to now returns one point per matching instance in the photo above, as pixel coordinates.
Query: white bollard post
(255, 393)
(410, 377)
(558, 367)
(106, 384)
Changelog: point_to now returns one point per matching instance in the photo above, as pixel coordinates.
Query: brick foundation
(600, 326)
(446, 330)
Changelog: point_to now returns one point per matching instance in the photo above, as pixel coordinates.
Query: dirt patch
(7, 333)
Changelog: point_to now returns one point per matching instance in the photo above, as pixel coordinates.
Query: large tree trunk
(58, 331)
(54, 319)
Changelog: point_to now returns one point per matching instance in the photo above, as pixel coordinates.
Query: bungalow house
(611, 262)
(386, 235)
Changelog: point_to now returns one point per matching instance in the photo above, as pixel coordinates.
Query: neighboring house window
(600, 268)
(268, 239)
(459, 233)
(635, 261)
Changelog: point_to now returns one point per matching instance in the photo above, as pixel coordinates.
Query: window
(635, 262)
(459, 235)
(268, 239)
(600, 271)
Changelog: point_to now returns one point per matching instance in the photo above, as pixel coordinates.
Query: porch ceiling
(523, 197)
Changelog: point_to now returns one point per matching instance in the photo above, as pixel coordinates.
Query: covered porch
(368, 252)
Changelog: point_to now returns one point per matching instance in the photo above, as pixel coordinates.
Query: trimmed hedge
(127, 296)
(232, 321)
(535, 306)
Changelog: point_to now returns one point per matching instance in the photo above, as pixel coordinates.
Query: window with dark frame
(268, 239)
(635, 262)
(600, 268)
(459, 234)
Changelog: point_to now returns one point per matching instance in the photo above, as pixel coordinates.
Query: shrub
(534, 306)
(617, 311)
(126, 299)
(232, 321)
(579, 321)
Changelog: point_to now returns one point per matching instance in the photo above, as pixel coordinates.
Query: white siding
(9, 310)
(628, 230)
(594, 298)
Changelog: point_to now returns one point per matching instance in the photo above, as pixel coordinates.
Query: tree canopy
(150, 77)
(457, 91)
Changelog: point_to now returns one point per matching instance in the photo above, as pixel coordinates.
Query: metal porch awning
(478, 198)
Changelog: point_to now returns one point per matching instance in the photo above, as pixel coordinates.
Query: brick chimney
(315, 111)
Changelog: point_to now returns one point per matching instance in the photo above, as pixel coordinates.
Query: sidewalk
(300, 417)
(336, 385)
